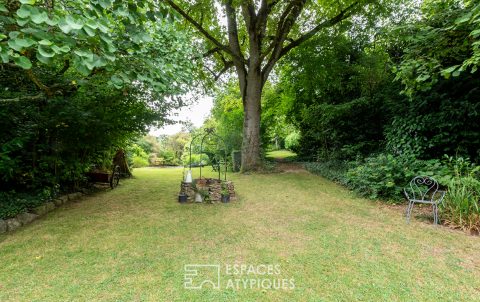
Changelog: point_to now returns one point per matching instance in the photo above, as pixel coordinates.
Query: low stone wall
(21, 219)
(211, 185)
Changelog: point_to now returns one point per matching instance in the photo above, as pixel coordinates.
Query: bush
(197, 160)
(385, 176)
(13, 203)
(292, 141)
(334, 170)
(461, 206)
(139, 162)
(168, 158)
(137, 157)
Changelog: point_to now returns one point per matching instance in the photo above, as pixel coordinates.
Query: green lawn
(131, 244)
(281, 154)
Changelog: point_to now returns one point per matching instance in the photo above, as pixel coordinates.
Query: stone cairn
(211, 186)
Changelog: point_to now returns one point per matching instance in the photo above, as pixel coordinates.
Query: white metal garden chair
(424, 189)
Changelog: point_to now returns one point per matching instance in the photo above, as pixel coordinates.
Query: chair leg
(435, 214)
(409, 210)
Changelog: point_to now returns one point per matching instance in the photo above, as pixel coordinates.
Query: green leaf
(447, 72)
(13, 34)
(105, 3)
(83, 53)
(423, 77)
(3, 8)
(53, 21)
(64, 26)
(22, 22)
(475, 33)
(24, 11)
(45, 42)
(39, 18)
(464, 18)
(23, 62)
(81, 68)
(89, 31)
(31, 2)
(92, 24)
(74, 24)
(4, 55)
(123, 12)
(13, 45)
(27, 42)
(103, 26)
(59, 50)
(45, 51)
(116, 81)
(2, 37)
(44, 60)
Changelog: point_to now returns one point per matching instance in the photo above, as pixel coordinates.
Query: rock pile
(210, 188)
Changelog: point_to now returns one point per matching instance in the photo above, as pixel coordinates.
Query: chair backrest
(422, 188)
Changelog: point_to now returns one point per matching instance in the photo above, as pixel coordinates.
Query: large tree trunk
(251, 159)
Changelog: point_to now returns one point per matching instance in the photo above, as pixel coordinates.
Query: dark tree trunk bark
(251, 144)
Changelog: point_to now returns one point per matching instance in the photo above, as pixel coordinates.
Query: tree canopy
(252, 36)
(124, 41)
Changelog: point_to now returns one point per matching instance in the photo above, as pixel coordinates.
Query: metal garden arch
(209, 133)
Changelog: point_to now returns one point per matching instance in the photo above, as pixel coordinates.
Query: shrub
(292, 141)
(137, 157)
(461, 206)
(385, 176)
(334, 170)
(197, 159)
(168, 158)
(139, 162)
(13, 203)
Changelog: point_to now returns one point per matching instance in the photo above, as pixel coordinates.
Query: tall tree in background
(258, 33)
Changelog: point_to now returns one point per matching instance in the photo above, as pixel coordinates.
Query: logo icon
(199, 275)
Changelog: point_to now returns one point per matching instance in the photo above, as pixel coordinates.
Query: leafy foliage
(444, 43)
(342, 96)
(441, 121)
(461, 207)
(79, 80)
(102, 36)
(13, 203)
(292, 141)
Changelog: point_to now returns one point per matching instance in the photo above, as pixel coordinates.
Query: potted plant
(225, 193)
(182, 197)
(204, 194)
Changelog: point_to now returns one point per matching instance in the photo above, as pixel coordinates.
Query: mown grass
(131, 244)
(281, 155)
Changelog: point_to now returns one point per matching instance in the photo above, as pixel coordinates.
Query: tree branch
(279, 51)
(285, 25)
(211, 52)
(344, 14)
(37, 82)
(202, 30)
(227, 66)
(39, 96)
(232, 28)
